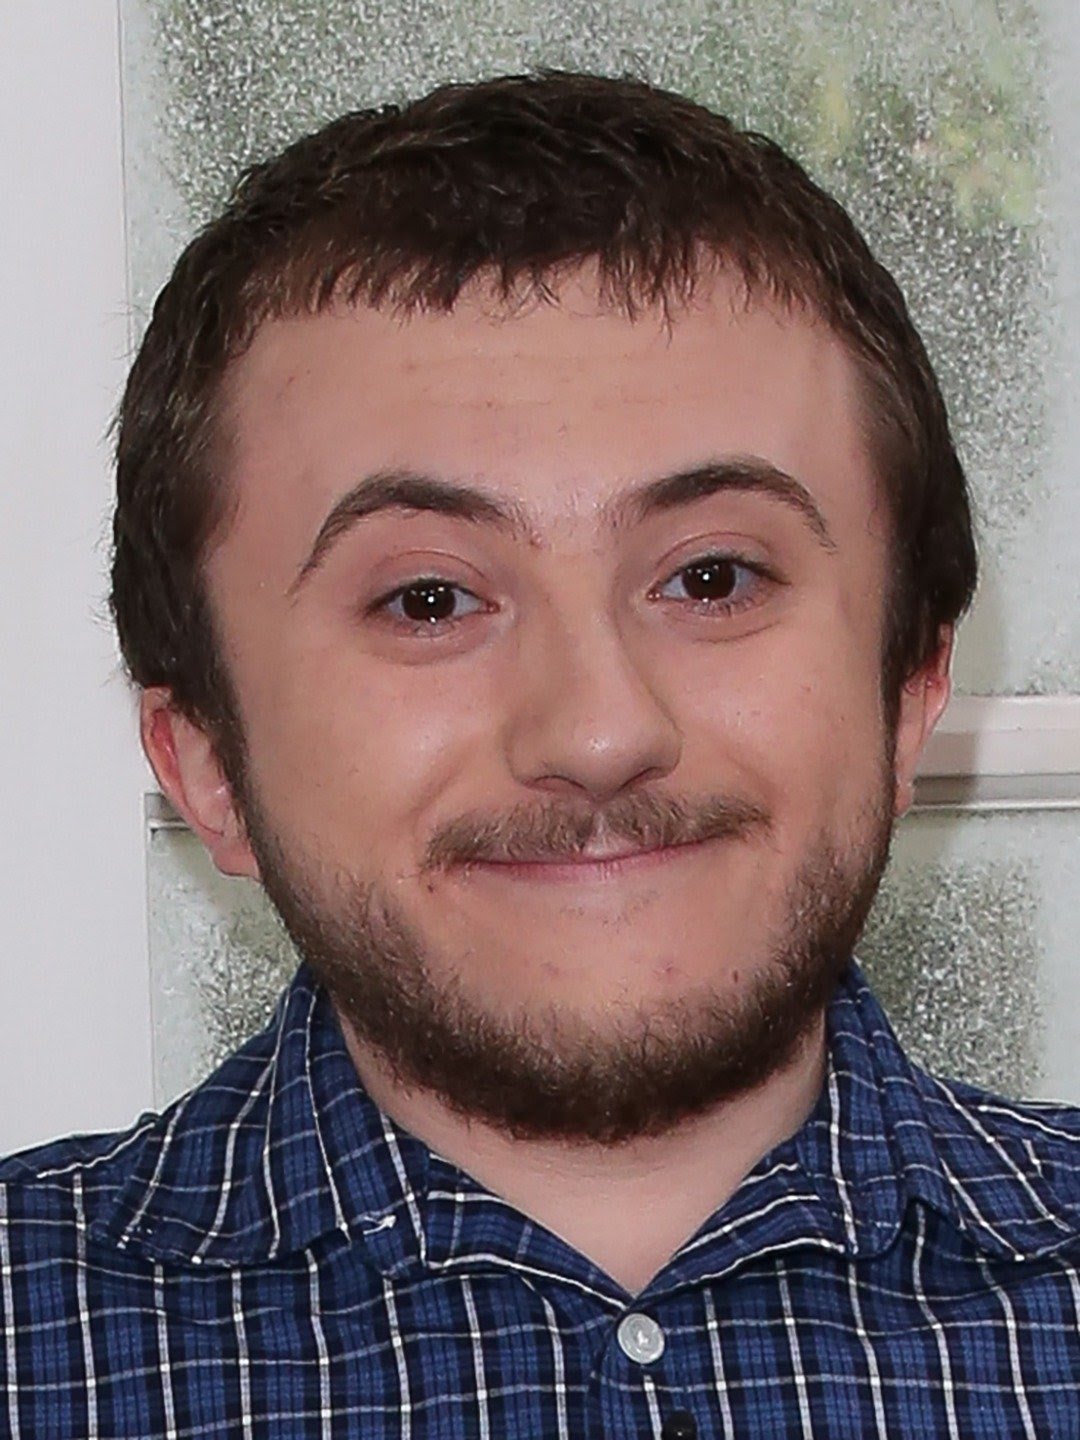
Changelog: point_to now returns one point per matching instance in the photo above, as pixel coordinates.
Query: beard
(545, 1072)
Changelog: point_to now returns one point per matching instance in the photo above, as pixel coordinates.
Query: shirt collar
(281, 1149)
(886, 1134)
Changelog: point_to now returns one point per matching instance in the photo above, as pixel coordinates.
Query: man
(538, 547)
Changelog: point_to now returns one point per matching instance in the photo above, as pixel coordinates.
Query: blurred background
(948, 127)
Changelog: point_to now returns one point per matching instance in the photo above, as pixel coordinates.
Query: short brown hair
(516, 179)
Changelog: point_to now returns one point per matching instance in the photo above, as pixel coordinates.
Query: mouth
(586, 869)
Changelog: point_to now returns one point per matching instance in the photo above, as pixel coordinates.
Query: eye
(427, 605)
(718, 584)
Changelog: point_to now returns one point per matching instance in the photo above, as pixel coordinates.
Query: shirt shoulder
(104, 1157)
(86, 1180)
(272, 1152)
(50, 1194)
(1013, 1165)
(1048, 1128)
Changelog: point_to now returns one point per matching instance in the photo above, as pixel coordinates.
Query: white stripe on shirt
(935, 1324)
(7, 1291)
(84, 1309)
(164, 1360)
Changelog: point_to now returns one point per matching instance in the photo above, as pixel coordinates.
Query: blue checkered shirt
(272, 1256)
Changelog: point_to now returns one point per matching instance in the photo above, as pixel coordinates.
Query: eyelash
(434, 628)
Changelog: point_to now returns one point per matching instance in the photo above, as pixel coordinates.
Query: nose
(587, 720)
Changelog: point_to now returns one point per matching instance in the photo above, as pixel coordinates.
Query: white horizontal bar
(1006, 735)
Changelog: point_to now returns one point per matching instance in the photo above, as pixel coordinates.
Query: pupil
(428, 602)
(710, 580)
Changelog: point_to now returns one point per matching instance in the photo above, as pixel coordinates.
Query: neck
(629, 1207)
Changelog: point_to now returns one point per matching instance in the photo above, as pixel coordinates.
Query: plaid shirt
(272, 1256)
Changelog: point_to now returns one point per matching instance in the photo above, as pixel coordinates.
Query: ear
(187, 768)
(923, 698)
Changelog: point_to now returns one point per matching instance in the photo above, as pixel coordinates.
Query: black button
(679, 1425)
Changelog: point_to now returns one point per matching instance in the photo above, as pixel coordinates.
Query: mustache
(553, 832)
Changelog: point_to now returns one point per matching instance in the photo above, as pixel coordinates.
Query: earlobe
(923, 698)
(185, 761)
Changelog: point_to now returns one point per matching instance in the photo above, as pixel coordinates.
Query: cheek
(356, 753)
(793, 716)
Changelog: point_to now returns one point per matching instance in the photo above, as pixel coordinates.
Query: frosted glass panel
(971, 947)
(218, 960)
(947, 126)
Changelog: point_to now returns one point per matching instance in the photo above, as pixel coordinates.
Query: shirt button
(640, 1338)
(679, 1425)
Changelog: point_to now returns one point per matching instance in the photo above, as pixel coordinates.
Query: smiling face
(503, 591)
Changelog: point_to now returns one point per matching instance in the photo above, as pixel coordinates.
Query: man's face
(599, 678)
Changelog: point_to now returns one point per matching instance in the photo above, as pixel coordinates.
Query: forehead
(558, 405)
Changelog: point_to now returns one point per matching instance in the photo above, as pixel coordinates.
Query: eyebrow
(404, 489)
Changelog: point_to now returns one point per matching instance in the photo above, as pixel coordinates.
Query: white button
(640, 1339)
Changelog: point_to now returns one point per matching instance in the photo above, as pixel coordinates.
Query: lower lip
(585, 872)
